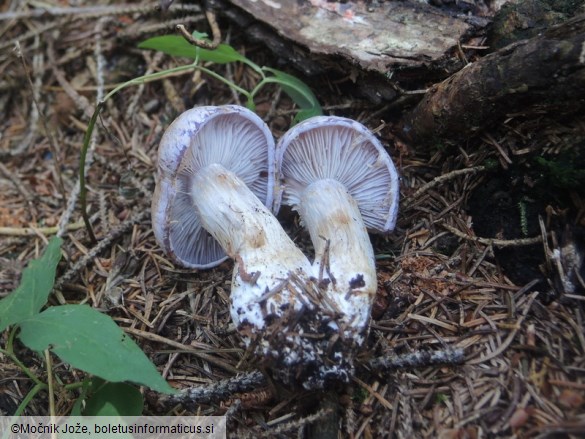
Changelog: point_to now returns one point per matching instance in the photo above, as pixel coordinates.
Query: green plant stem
(266, 80)
(258, 87)
(82, 159)
(150, 77)
(73, 386)
(22, 367)
(28, 398)
(49, 363)
(89, 132)
(237, 88)
(10, 341)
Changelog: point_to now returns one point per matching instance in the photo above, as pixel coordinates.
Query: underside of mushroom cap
(344, 150)
(231, 136)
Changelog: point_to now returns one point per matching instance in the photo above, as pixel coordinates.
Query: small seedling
(175, 45)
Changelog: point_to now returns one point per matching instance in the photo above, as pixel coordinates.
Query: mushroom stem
(248, 232)
(275, 303)
(344, 258)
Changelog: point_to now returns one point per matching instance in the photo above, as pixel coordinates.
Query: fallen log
(547, 71)
(369, 48)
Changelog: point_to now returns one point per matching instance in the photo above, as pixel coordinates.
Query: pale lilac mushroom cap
(332, 147)
(231, 136)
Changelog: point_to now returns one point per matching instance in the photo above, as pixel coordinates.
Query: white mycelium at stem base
(264, 254)
(343, 252)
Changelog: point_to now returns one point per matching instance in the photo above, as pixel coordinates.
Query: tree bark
(364, 50)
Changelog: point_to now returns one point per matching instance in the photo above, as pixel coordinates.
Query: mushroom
(231, 136)
(341, 180)
(215, 164)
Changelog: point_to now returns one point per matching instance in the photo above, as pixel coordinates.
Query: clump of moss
(564, 172)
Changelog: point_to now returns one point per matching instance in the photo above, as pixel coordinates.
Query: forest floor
(466, 266)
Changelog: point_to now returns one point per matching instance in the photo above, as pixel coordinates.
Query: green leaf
(113, 399)
(298, 91)
(175, 45)
(92, 342)
(171, 45)
(36, 285)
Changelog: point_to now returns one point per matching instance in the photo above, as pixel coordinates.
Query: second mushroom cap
(346, 151)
